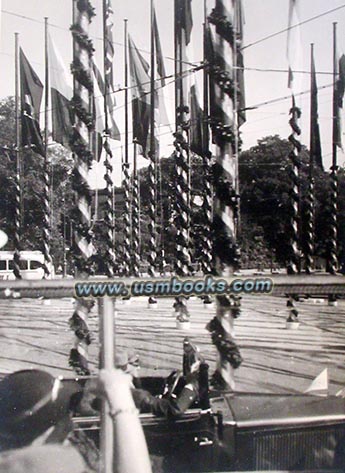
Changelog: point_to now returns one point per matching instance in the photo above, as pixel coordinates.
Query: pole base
(292, 325)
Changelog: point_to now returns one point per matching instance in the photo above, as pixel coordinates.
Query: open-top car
(243, 432)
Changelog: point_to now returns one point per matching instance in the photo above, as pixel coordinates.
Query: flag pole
(18, 207)
(310, 196)
(207, 201)
(332, 259)
(109, 204)
(182, 189)
(46, 176)
(82, 242)
(152, 254)
(224, 218)
(135, 216)
(127, 230)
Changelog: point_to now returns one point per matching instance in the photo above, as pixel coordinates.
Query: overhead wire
(272, 35)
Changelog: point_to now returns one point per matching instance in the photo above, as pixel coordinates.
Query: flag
(315, 140)
(99, 92)
(294, 49)
(161, 116)
(338, 100)
(241, 102)
(108, 45)
(31, 90)
(107, 86)
(196, 136)
(61, 87)
(184, 18)
(158, 49)
(140, 87)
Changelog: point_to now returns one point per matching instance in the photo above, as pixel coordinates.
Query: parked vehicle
(30, 264)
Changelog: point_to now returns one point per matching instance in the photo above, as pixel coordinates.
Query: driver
(145, 401)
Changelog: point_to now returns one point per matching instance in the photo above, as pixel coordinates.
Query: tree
(265, 186)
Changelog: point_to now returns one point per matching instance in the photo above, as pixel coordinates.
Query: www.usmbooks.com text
(174, 287)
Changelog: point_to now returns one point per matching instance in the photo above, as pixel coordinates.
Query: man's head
(127, 361)
(33, 405)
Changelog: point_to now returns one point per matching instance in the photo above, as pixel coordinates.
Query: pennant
(61, 87)
(338, 100)
(315, 140)
(319, 387)
(31, 90)
(140, 87)
(294, 49)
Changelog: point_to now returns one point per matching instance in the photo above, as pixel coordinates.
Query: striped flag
(61, 87)
(108, 45)
(31, 90)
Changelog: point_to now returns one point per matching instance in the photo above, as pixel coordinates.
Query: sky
(265, 60)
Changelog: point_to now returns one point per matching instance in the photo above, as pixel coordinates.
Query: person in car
(169, 407)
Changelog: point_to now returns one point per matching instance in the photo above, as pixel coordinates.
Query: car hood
(249, 410)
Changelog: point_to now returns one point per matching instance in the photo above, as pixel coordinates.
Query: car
(230, 431)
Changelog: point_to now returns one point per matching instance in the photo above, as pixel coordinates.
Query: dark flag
(158, 48)
(315, 140)
(184, 18)
(140, 82)
(61, 87)
(338, 98)
(197, 139)
(241, 102)
(31, 90)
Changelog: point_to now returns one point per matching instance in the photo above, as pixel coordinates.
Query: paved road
(275, 359)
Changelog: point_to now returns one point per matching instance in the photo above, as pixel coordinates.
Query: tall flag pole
(80, 144)
(152, 209)
(18, 206)
(109, 217)
(314, 158)
(125, 169)
(140, 86)
(135, 216)
(160, 118)
(223, 125)
(332, 265)
(207, 204)
(294, 59)
(183, 27)
(46, 176)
